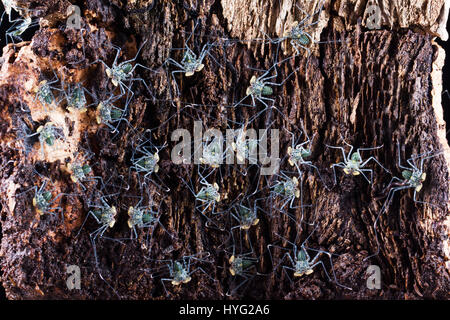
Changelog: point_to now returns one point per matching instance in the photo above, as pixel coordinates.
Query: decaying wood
(372, 87)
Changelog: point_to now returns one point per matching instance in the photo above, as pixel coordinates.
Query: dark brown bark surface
(376, 87)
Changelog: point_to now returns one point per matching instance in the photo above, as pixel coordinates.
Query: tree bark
(372, 87)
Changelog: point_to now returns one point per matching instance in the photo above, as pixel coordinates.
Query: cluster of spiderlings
(243, 261)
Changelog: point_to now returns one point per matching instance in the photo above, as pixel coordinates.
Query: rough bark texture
(374, 88)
